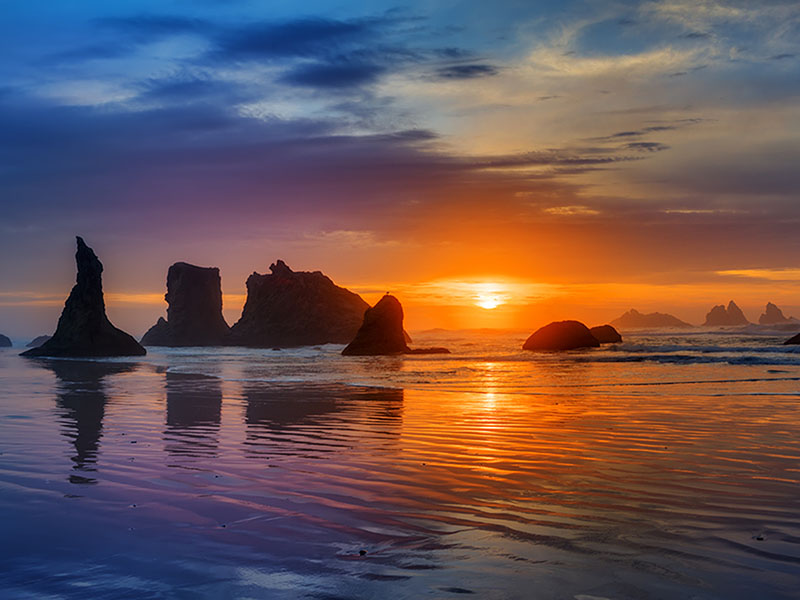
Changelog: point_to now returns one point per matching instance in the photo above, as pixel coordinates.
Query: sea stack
(5, 342)
(773, 316)
(194, 313)
(381, 332)
(606, 334)
(37, 341)
(83, 328)
(287, 308)
(561, 335)
(719, 316)
(633, 319)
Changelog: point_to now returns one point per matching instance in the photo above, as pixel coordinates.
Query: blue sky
(358, 137)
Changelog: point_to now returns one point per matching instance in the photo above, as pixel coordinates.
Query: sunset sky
(556, 159)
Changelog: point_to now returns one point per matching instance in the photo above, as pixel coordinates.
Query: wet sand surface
(145, 480)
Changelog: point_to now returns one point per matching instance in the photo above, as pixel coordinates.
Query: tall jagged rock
(286, 308)
(633, 319)
(561, 335)
(719, 316)
(773, 316)
(83, 328)
(381, 332)
(5, 342)
(194, 314)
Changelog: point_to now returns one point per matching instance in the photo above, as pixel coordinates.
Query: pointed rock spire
(83, 328)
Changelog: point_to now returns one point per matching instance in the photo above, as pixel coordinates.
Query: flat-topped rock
(194, 313)
(83, 328)
(606, 334)
(561, 335)
(287, 308)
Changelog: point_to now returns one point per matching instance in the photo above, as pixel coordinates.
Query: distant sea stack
(719, 316)
(382, 332)
(5, 342)
(561, 335)
(606, 334)
(633, 319)
(774, 316)
(288, 308)
(83, 328)
(194, 314)
(37, 341)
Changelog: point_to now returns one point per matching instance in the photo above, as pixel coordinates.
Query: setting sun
(488, 302)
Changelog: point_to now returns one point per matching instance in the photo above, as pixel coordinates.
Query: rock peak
(280, 268)
(381, 332)
(83, 328)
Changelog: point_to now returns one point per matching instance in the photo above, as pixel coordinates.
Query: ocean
(667, 466)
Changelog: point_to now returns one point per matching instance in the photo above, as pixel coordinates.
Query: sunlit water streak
(665, 467)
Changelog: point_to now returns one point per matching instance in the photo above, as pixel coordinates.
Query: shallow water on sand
(663, 468)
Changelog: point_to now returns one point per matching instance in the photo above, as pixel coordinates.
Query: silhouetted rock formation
(606, 334)
(561, 335)
(38, 341)
(194, 315)
(774, 316)
(719, 316)
(792, 341)
(5, 342)
(287, 308)
(83, 328)
(633, 319)
(382, 332)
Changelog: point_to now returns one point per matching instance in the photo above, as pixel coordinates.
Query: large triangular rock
(287, 308)
(381, 332)
(83, 328)
(194, 315)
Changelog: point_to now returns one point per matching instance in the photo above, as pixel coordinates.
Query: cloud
(341, 73)
(298, 38)
(467, 71)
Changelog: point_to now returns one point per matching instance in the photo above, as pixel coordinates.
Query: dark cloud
(647, 146)
(340, 74)
(300, 38)
(696, 35)
(467, 71)
(188, 88)
(782, 56)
